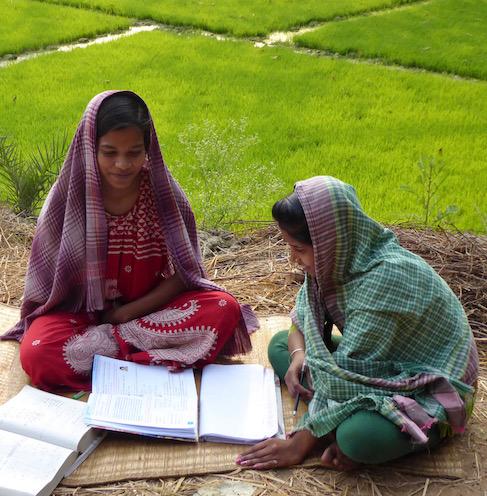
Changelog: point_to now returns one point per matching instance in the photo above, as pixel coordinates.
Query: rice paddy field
(365, 90)
(442, 36)
(28, 25)
(249, 18)
(312, 112)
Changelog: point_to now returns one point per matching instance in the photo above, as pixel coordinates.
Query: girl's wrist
(296, 351)
(122, 315)
(303, 442)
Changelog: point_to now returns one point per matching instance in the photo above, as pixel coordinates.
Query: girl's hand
(273, 453)
(154, 300)
(114, 316)
(292, 378)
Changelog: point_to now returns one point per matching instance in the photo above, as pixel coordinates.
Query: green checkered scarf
(407, 350)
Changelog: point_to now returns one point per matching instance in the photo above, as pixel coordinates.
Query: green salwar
(365, 436)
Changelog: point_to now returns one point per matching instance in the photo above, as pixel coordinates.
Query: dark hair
(122, 110)
(289, 214)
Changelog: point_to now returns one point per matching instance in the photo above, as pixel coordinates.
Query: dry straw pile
(256, 269)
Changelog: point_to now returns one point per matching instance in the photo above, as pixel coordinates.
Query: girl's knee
(228, 305)
(35, 361)
(278, 346)
(278, 353)
(29, 355)
(368, 437)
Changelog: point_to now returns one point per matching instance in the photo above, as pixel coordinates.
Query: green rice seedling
(29, 25)
(249, 18)
(366, 124)
(482, 216)
(440, 35)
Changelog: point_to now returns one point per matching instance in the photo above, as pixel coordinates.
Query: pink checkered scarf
(67, 264)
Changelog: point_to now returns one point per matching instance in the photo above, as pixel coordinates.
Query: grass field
(29, 25)
(366, 124)
(249, 18)
(441, 35)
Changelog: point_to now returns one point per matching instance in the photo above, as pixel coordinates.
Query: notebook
(237, 403)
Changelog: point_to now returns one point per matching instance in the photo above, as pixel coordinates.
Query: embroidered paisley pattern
(170, 316)
(177, 347)
(185, 345)
(78, 350)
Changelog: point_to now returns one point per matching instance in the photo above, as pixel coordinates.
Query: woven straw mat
(127, 457)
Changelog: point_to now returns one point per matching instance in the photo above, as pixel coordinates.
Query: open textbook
(42, 439)
(237, 404)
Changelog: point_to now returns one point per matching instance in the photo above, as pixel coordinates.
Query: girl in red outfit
(115, 267)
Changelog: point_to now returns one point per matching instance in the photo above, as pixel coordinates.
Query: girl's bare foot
(333, 458)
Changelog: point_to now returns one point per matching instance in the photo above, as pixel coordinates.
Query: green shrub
(224, 180)
(27, 180)
(428, 191)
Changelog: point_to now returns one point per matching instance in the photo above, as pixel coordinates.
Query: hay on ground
(257, 270)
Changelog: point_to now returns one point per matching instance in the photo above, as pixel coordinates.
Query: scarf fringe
(250, 321)
(239, 343)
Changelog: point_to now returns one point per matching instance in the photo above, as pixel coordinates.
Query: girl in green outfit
(402, 376)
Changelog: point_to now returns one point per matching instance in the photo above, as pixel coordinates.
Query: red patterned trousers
(58, 348)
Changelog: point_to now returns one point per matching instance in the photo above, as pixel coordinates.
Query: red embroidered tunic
(137, 257)
(58, 348)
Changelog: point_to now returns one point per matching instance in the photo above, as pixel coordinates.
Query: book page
(151, 411)
(142, 395)
(45, 416)
(29, 466)
(238, 402)
(112, 376)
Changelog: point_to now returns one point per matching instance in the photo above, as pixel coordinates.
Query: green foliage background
(441, 35)
(367, 124)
